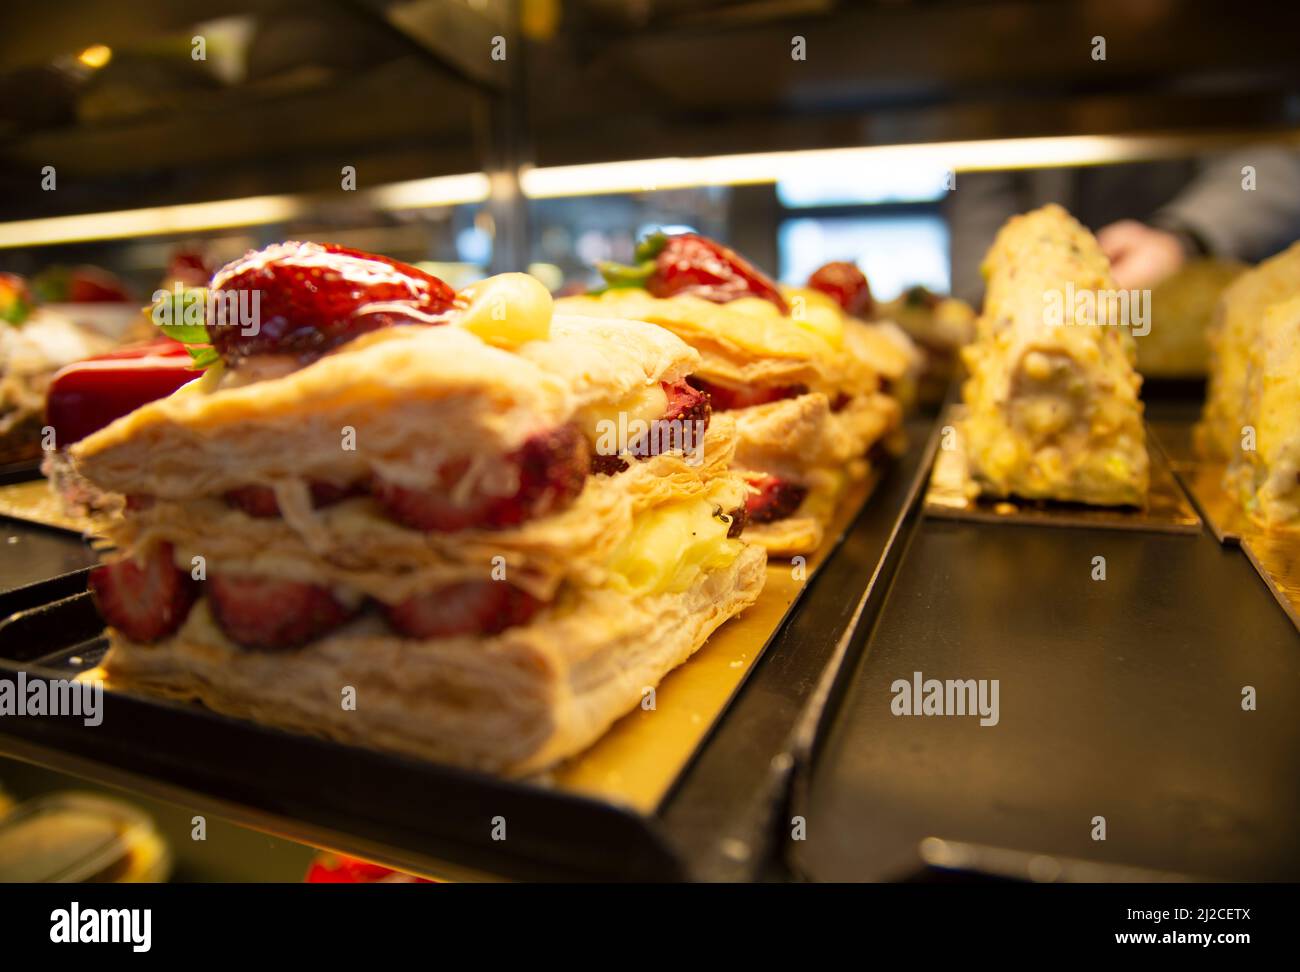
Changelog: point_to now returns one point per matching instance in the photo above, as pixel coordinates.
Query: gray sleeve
(1232, 220)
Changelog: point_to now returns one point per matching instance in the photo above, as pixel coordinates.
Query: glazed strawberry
(775, 500)
(468, 608)
(725, 398)
(692, 264)
(144, 600)
(91, 285)
(312, 297)
(847, 284)
(189, 267)
(263, 612)
(260, 501)
(551, 469)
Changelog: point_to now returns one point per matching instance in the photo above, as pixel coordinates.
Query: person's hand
(1140, 255)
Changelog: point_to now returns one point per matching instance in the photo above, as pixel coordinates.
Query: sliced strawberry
(315, 296)
(726, 398)
(467, 608)
(739, 518)
(685, 403)
(775, 500)
(847, 284)
(692, 264)
(144, 601)
(551, 468)
(686, 406)
(675, 428)
(263, 612)
(608, 465)
(260, 501)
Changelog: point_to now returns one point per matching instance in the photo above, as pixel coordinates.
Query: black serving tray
(39, 565)
(718, 821)
(1119, 699)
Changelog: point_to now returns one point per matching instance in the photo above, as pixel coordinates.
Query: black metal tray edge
(726, 811)
(820, 713)
(42, 592)
(20, 471)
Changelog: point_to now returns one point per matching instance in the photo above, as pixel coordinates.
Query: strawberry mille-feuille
(790, 366)
(389, 487)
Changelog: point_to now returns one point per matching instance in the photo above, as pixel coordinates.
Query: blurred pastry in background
(1182, 309)
(34, 343)
(1052, 405)
(807, 397)
(89, 297)
(1251, 419)
(1233, 333)
(941, 327)
(897, 358)
(1266, 478)
(79, 285)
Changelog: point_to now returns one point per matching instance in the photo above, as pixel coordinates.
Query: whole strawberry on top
(312, 297)
(688, 263)
(846, 284)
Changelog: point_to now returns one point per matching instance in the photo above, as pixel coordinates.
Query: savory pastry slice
(384, 491)
(799, 377)
(1052, 404)
(1234, 332)
(1266, 477)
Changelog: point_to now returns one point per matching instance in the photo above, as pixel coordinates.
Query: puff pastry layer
(846, 366)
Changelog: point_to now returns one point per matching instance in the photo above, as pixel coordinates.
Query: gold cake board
(1275, 554)
(34, 501)
(950, 496)
(638, 760)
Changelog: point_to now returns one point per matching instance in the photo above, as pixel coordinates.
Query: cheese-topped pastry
(435, 499)
(1233, 334)
(1052, 398)
(1266, 475)
(808, 385)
